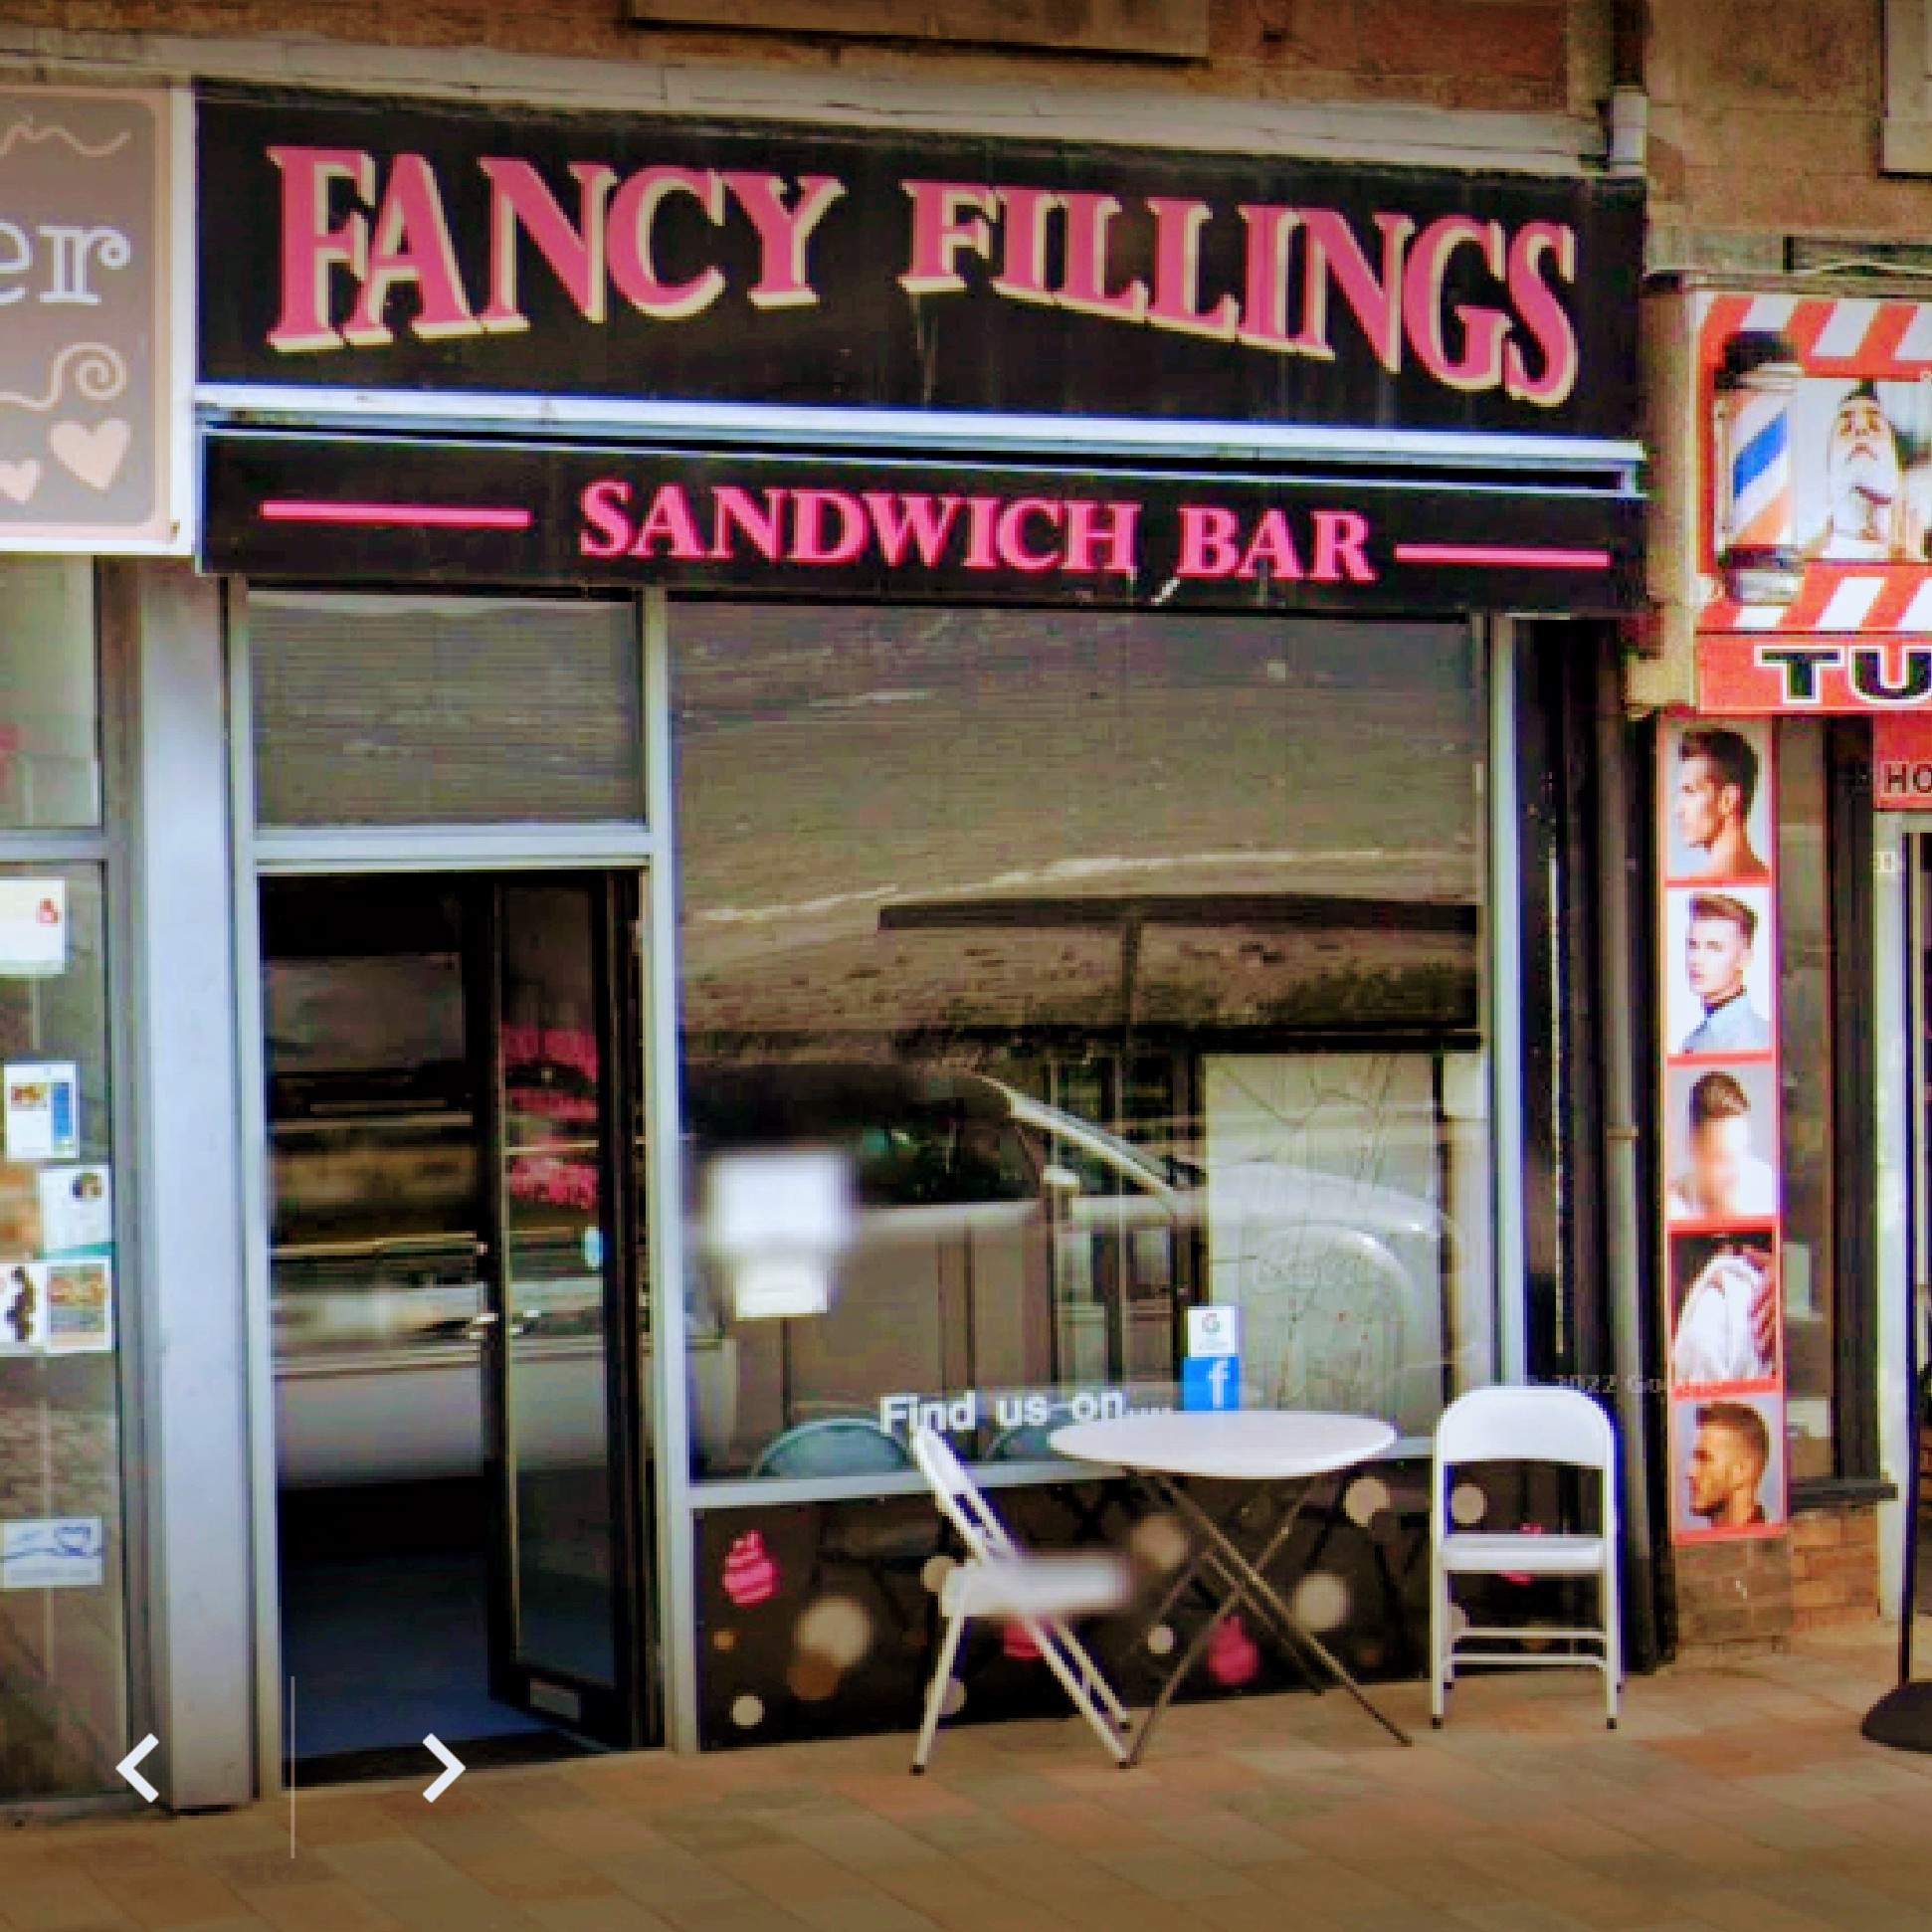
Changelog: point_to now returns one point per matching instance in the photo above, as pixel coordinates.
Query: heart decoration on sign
(93, 455)
(18, 480)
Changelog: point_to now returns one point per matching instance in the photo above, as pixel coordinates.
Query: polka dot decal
(1366, 1497)
(1159, 1543)
(812, 1680)
(835, 1630)
(1321, 1601)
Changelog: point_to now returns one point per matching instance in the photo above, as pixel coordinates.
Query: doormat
(400, 1761)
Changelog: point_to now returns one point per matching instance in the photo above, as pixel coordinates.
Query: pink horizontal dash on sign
(1502, 556)
(417, 517)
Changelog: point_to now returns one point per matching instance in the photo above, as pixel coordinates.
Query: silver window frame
(107, 845)
(1494, 640)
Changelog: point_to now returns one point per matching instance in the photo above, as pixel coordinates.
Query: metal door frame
(1902, 932)
(627, 1707)
(642, 848)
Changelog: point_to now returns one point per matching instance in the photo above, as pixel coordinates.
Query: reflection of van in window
(1002, 1244)
(1006, 1244)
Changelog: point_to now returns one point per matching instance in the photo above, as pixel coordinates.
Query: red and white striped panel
(1845, 599)
(1834, 335)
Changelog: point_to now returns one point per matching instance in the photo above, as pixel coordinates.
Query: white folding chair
(1523, 1424)
(998, 1580)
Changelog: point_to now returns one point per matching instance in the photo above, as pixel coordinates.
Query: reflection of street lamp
(775, 1224)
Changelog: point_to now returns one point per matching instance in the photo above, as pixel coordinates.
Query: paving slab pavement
(1735, 1798)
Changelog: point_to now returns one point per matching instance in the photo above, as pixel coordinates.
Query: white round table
(1267, 1445)
(1232, 1445)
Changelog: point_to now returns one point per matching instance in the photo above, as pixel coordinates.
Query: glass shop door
(569, 1642)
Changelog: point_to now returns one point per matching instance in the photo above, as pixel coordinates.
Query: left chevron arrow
(127, 1767)
(456, 1767)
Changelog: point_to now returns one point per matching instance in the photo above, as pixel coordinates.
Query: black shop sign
(369, 245)
(411, 511)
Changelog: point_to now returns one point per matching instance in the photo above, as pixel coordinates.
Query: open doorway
(454, 1129)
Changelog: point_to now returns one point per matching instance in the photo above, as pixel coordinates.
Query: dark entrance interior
(454, 1124)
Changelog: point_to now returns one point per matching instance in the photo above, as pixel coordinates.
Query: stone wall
(1765, 122)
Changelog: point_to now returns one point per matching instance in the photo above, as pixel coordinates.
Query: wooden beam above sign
(1168, 30)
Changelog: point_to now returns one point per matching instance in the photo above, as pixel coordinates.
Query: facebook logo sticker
(1210, 1382)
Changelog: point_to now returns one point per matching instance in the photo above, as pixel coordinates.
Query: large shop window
(62, 1635)
(1120, 963)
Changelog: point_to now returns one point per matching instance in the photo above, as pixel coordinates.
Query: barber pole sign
(1815, 547)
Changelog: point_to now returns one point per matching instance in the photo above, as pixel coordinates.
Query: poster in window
(77, 1211)
(79, 1307)
(33, 928)
(41, 1109)
(1718, 950)
(1724, 1332)
(53, 1553)
(23, 1308)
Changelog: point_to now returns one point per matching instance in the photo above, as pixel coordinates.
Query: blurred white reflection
(775, 1223)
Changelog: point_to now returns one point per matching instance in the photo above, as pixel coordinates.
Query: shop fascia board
(1612, 464)
(1379, 133)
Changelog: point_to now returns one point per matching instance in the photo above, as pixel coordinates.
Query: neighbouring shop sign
(1901, 762)
(410, 510)
(369, 245)
(1816, 532)
(88, 439)
(1724, 1274)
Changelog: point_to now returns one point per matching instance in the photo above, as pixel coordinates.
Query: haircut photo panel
(1718, 956)
(1719, 819)
(1720, 1142)
(1728, 1468)
(1725, 1310)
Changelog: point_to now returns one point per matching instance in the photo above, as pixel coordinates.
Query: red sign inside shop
(1816, 545)
(1901, 762)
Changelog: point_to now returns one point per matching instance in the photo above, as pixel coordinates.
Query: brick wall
(1759, 1595)
(1540, 56)
(1835, 1567)
(1735, 1595)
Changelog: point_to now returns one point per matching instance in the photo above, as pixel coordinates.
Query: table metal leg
(1243, 1590)
(1221, 1553)
(1211, 1570)
(1250, 1584)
